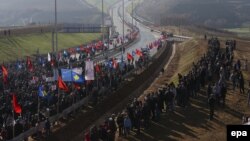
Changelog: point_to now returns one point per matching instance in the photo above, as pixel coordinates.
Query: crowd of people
(214, 70)
(25, 77)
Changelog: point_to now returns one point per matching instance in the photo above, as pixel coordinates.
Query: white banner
(50, 79)
(89, 70)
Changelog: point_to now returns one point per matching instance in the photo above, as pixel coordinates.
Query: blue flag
(78, 49)
(65, 53)
(133, 53)
(72, 75)
(18, 65)
(110, 64)
(122, 58)
(41, 92)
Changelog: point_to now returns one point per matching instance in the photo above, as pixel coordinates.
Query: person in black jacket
(47, 127)
(209, 90)
(211, 102)
(241, 82)
(120, 124)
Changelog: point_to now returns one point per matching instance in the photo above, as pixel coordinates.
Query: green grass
(15, 47)
(98, 4)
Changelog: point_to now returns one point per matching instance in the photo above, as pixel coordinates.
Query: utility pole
(53, 42)
(102, 22)
(123, 32)
(132, 13)
(56, 28)
(56, 56)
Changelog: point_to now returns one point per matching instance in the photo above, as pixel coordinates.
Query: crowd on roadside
(25, 78)
(215, 69)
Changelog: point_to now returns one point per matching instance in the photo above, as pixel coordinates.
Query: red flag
(138, 52)
(52, 63)
(97, 68)
(5, 74)
(81, 47)
(16, 107)
(62, 85)
(129, 56)
(77, 86)
(115, 64)
(29, 64)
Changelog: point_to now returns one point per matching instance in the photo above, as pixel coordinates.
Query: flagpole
(58, 96)
(132, 14)
(13, 116)
(123, 21)
(38, 108)
(13, 128)
(97, 79)
(122, 47)
(96, 75)
(56, 47)
(102, 21)
(72, 83)
(56, 27)
(110, 77)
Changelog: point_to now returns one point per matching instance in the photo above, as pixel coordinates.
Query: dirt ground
(192, 123)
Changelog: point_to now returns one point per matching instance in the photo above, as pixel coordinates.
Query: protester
(213, 69)
(211, 102)
(37, 92)
(248, 93)
(127, 125)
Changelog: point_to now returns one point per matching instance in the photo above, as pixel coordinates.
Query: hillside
(98, 4)
(213, 13)
(21, 12)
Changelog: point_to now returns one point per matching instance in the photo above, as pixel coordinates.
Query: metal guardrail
(34, 130)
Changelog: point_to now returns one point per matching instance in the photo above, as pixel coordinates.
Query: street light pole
(132, 13)
(56, 27)
(102, 22)
(123, 20)
(123, 26)
(56, 46)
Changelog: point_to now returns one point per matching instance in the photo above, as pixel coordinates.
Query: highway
(146, 36)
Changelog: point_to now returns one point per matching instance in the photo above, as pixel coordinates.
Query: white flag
(49, 57)
(77, 70)
(89, 70)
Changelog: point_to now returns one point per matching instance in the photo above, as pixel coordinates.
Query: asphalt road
(146, 36)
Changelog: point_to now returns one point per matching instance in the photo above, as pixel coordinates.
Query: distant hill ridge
(22, 12)
(212, 13)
